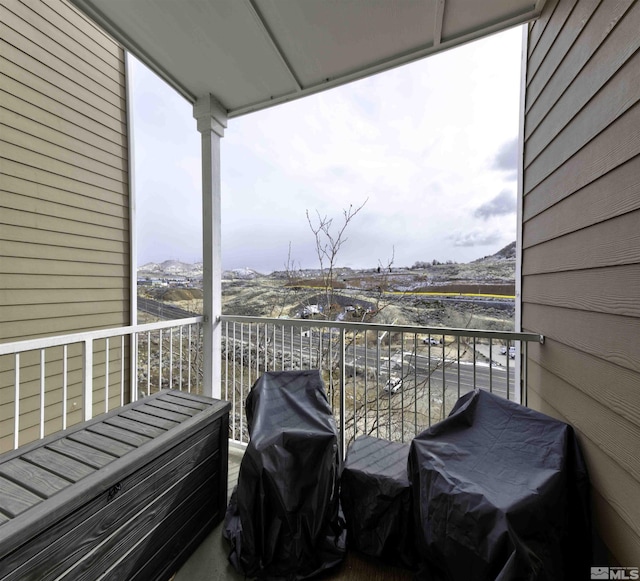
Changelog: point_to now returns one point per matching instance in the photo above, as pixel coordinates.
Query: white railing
(77, 376)
(384, 380)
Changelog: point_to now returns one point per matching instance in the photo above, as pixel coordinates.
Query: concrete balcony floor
(209, 561)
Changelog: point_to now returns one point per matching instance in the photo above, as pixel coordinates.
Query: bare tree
(329, 241)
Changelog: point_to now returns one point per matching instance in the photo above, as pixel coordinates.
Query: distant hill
(240, 273)
(506, 253)
(171, 268)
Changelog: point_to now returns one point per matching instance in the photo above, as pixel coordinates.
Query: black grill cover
(376, 499)
(283, 520)
(500, 492)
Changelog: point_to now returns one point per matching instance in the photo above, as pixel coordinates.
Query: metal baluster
(180, 359)
(106, 375)
(65, 387)
(366, 383)
(148, 363)
(490, 365)
(189, 360)
(16, 401)
(171, 358)
(122, 365)
(458, 344)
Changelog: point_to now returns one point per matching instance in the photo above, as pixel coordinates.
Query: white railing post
(65, 386)
(133, 239)
(134, 364)
(87, 379)
(212, 120)
(16, 401)
(42, 388)
(106, 375)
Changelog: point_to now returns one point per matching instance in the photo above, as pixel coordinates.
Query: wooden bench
(127, 495)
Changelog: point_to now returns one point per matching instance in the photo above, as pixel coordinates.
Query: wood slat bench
(127, 495)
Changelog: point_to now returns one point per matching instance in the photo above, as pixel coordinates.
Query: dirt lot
(397, 297)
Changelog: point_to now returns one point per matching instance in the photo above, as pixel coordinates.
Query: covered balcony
(387, 381)
(68, 356)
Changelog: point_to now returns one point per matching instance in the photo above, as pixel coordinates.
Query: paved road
(423, 368)
(162, 310)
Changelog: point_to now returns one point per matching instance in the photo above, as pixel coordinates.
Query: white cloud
(473, 238)
(502, 204)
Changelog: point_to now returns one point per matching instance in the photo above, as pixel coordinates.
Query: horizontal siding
(30, 370)
(20, 65)
(23, 197)
(611, 385)
(30, 366)
(67, 18)
(30, 420)
(64, 204)
(611, 195)
(81, 240)
(40, 114)
(47, 161)
(548, 39)
(49, 283)
(602, 290)
(60, 295)
(581, 246)
(30, 385)
(595, 84)
(81, 148)
(60, 151)
(30, 389)
(46, 251)
(24, 313)
(619, 534)
(59, 65)
(613, 494)
(617, 144)
(30, 101)
(55, 35)
(59, 267)
(544, 91)
(611, 102)
(54, 54)
(613, 338)
(29, 75)
(60, 326)
(611, 243)
(41, 177)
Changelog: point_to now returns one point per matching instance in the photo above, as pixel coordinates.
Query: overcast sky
(432, 146)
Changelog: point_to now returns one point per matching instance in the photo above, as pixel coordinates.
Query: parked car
(512, 352)
(503, 350)
(393, 385)
(431, 341)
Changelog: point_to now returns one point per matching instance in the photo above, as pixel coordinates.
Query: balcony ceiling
(252, 54)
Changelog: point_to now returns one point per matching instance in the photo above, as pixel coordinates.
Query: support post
(212, 120)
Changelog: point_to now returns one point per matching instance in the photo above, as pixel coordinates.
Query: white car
(503, 350)
(431, 341)
(512, 352)
(393, 385)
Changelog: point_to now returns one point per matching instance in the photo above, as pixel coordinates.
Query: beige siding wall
(581, 244)
(64, 201)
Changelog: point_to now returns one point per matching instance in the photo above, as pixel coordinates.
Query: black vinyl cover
(376, 499)
(500, 492)
(284, 518)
